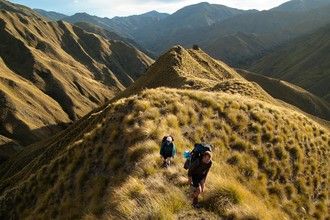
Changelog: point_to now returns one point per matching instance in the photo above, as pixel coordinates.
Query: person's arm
(173, 150)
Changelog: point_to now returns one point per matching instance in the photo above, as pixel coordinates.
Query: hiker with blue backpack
(167, 150)
(198, 163)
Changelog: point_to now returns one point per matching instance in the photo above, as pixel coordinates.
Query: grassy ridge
(111, 168)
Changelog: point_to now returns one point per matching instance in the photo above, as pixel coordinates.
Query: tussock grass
(265, 167)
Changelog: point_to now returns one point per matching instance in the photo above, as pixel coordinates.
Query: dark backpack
(196, 154)
(199, 150)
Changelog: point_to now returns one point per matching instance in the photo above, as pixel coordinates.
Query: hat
(169, 139)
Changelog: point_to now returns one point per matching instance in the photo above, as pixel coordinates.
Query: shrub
(266, 137)
(142, 105)
(234, 160)
(239, 145)
(275, 190)
(255, 128)
(279, 152)
(196, 47)
(220, 198)
(247, 171)
(295, 153)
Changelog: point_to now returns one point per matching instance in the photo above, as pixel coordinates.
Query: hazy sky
(111, 8)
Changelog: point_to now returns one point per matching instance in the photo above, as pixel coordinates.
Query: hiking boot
(195, 203)
(197, 206)
(165, 165)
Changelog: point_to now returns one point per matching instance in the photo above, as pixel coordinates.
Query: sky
(112, 8)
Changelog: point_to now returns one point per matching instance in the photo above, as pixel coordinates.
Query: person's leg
(164, 162)
(197, 191)
(196, 194)
(168, 161)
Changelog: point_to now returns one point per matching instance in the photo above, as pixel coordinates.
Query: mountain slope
(199, 15)
(174, 28)
(110, 35)
(238, 48)
(124, 26)
(153, 28)
(235, 36)
(291, 94)
(245, 36)
(194, 69)
(304, 61)
(53, 73)
(54, 16)
(301, 5)
(270, 162)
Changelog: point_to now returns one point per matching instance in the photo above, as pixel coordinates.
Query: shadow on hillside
(20, 148)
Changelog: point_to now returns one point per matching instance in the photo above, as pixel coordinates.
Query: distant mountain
(52, 73)
(54, 16)
(155, 27)
(124, 26)
(198, 15)
(304, 61)
(301, 5)
(246, 37)
(236, 36)
(175, 28)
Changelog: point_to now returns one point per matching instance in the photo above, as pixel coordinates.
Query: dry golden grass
(269, 162)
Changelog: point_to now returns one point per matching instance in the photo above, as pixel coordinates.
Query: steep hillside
(304, 61)
(270, 162)
(110, 35)
(237, 49)
(52, 73)
(291, 94)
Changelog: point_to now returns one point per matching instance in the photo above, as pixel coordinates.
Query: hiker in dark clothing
(197, 175)
(167, 150)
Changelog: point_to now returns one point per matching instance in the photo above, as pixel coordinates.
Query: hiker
(196, 153)
(197, 175)
(167, 150)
